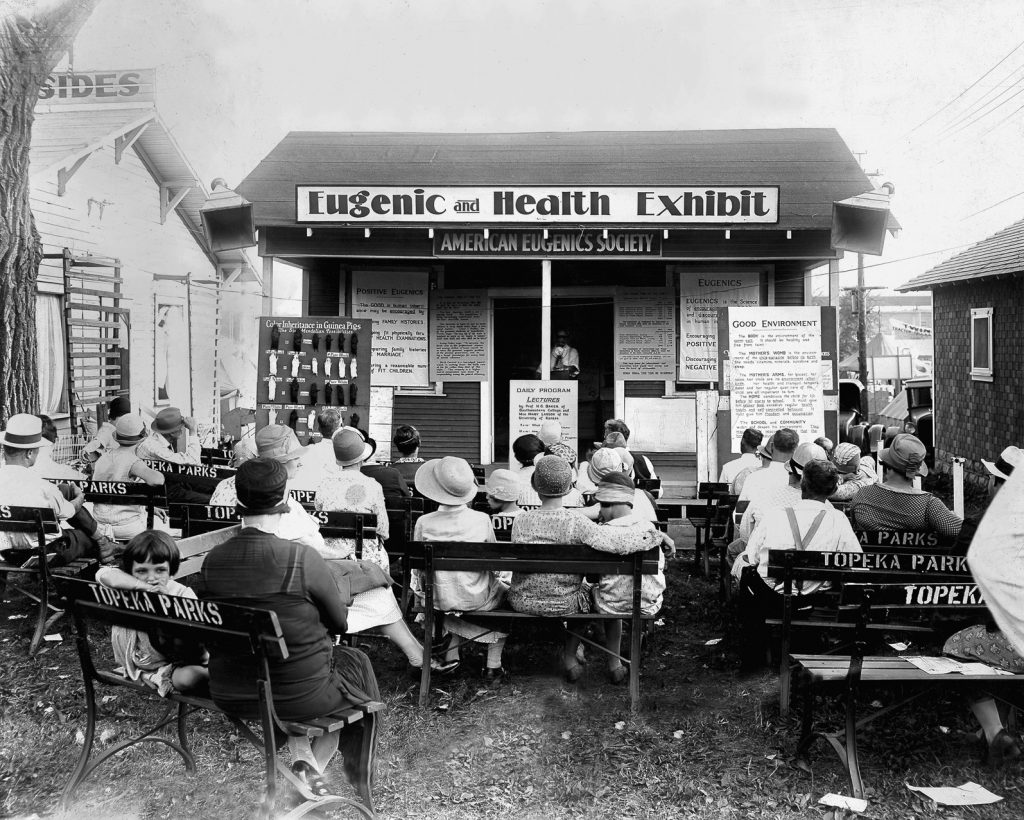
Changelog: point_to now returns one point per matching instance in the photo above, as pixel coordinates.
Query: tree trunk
(33, 38)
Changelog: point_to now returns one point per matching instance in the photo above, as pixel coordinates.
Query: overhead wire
(962, 93)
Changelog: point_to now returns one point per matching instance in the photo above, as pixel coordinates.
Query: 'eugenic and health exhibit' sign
(609, 204)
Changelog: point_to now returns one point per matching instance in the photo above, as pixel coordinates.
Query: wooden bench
(908, 540)
(220, 628)
(709, 518)
(572, 559)
(200, 478)
(32, 563)
(502, 523)
(794, 567)
(196, 519)
(858, 672)
(127, 494)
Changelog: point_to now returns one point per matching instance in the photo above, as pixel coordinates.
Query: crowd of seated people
(552, 497)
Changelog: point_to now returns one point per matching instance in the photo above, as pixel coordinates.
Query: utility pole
(861, 306)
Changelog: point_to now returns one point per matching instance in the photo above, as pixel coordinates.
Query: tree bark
(33, 38)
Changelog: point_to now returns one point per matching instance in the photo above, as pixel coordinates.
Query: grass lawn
(704, 744)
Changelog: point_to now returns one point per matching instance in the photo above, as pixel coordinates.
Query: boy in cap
(613, 594)
(104, 438)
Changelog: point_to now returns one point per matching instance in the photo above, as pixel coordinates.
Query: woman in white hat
(123, 522)
(348, 490)
(450, 482)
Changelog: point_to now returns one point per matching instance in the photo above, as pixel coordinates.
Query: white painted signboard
(701, 295)
(775, 358)
(396, 301)
(532, 402)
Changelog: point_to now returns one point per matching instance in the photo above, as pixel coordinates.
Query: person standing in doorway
(565, 359)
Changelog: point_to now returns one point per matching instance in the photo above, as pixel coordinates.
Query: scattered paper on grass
(16, 617)
(56, 636)
(944, 730)
(566, 735)
(900, 646)
(876, 704)
(713, 642)
(969, 794)
(659, 622)
(841, 801)
(677, 734)
(620, 724)
(770, 757)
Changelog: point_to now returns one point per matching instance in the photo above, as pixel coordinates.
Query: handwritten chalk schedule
(645, 338)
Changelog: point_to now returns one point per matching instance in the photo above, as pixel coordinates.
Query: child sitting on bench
(450, 482)
(148, 563)
(613, 594)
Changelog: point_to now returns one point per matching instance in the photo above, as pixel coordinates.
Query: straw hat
(846, 457)
(1011, 458)
(129, 429)
(447, 480)
(24, 432)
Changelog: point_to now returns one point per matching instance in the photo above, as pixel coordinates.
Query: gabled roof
(61, 138)
(999, 255)
(812, 166)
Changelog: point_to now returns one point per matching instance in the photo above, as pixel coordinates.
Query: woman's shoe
(311, 777)
(618, 674)
(573, 671)
(436, 668)
(1003, 747)
(495, 677)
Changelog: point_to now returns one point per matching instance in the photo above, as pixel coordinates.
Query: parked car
(852, 422)
(919, 421)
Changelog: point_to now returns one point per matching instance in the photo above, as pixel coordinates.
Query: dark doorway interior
(589, 322)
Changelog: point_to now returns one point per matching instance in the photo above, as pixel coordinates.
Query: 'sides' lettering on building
(611, 204)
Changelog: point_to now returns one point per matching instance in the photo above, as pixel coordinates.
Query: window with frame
(981, 344)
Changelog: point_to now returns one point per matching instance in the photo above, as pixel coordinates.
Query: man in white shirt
(996, 554)
(748, 459)
(172, 438)
(20, 486)
(809, 524)
(45, 466)
(318, 459)
(776, 474)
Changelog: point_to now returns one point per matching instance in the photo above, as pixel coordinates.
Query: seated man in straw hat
(20, 487)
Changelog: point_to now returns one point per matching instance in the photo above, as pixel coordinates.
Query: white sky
(234, 76)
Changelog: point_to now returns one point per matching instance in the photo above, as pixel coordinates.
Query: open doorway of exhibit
(589, 322)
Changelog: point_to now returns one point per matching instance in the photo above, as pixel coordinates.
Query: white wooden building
(131, 299)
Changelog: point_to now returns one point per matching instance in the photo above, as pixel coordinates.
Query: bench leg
(44, 610)
(358, 746)
(807, 735)
(634, 663)
(850, 758)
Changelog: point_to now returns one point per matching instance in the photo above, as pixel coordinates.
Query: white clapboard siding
(123, 222)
